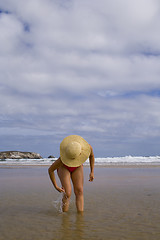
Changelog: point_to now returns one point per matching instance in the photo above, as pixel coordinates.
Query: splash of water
(57, 204)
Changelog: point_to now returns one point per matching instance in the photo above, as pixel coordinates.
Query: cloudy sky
(86, 67)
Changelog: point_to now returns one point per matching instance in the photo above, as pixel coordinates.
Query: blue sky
(85, 67)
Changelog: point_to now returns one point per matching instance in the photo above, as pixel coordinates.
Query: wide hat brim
(85, 151)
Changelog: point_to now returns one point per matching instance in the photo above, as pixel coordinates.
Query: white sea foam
(127, 160)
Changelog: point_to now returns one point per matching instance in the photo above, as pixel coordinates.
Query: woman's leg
(77, 179)
(64, 176)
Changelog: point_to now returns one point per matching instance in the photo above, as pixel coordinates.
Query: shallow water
(122, 203)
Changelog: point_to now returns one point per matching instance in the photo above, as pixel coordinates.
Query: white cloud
(72, 66)
(10, 31)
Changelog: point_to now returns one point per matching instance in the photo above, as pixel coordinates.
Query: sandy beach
(121, 203)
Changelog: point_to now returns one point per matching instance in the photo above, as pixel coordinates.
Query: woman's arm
(91, 160)
(51, 170)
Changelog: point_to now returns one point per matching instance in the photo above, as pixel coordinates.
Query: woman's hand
(60, 189)
(91, 177)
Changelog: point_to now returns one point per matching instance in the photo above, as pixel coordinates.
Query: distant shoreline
(86, 166)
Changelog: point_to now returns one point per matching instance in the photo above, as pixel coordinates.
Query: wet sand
(121, 203)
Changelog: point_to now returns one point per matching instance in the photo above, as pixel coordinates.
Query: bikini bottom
(70, 169)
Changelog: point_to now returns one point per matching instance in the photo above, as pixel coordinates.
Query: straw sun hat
(74, 151)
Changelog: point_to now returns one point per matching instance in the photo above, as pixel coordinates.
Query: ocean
(122, 203)
(127, 160)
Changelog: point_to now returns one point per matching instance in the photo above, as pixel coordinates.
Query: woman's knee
(78, 191)
(67, 194)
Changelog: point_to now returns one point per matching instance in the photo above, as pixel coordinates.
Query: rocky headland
(19, 155)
